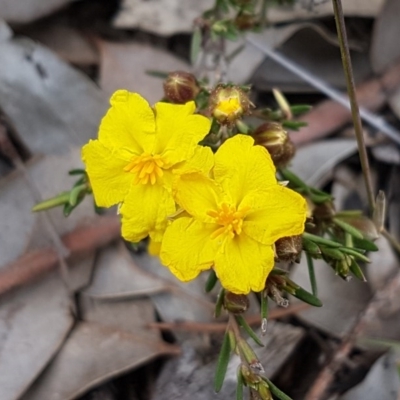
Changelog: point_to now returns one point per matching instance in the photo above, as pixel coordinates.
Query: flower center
(146, 167)
(229, 106)
(230, 219)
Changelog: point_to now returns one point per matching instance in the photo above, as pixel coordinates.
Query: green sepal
(211, 281)
(222, 364)
(275, 391)
(242, 322)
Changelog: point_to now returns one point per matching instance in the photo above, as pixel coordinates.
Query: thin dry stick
(351, 90)
(212, 327)
(325, 378)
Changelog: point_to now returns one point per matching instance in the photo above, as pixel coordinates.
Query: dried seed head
(236, 303)
(288, 248)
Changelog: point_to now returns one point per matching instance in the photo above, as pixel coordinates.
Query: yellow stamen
(146, 167)
(230, 219)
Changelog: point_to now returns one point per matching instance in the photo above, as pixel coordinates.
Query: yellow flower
(234, 219)
(136, 154)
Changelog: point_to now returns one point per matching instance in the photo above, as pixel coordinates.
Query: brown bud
(245, 21)
(181, 87)
(236, 303)
(288, 248)
(228, 104)
(275, 139)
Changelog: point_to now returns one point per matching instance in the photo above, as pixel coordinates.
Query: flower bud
(263, 391)
(228, 104)
(245, 21)
(236, 303)
(288, 248)
(275, 139)
(180, 87)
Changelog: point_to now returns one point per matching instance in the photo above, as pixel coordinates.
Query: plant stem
(345, 53)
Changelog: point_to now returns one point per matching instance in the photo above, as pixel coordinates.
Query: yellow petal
(145, 210)
(178, 131)
(187, 249)
(197, 194)
(109, 181)
(154, 248)
(274, 213)
(202, 161)
(244, 265)
(241, 167)
(129, 123)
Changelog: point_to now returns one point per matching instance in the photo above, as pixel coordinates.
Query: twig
(81, 241)
(348, 70)
(216, 327)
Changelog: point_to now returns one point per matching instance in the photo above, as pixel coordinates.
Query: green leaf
(195, 45)
(348, 228)
(220, 301)
(242, 322)
(302, 294)
(336, 254)
(293, 125)
(300, 109)
(239, 385)
(311, 274)
(211, 281)
(75, 193)
(357, 271)
(365, 244)
(311, 247)
(222, 364)
(320, 240)
(157, 73)
(355, 254)
(294, 179)
(56, 201)
(276, 392)
(77, 171)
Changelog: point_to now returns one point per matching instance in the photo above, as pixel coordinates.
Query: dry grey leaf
(124, 65)
(22, 11)
(118, 277)
(93, 353)
(189, 377)
(382, 381)
(52, 105)
(319, 57)
(163, 17)
(34, 322)
(185, 301)
(314, 163)
(384, 46)
(68, 42)
(343, 301)
(355, 8)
